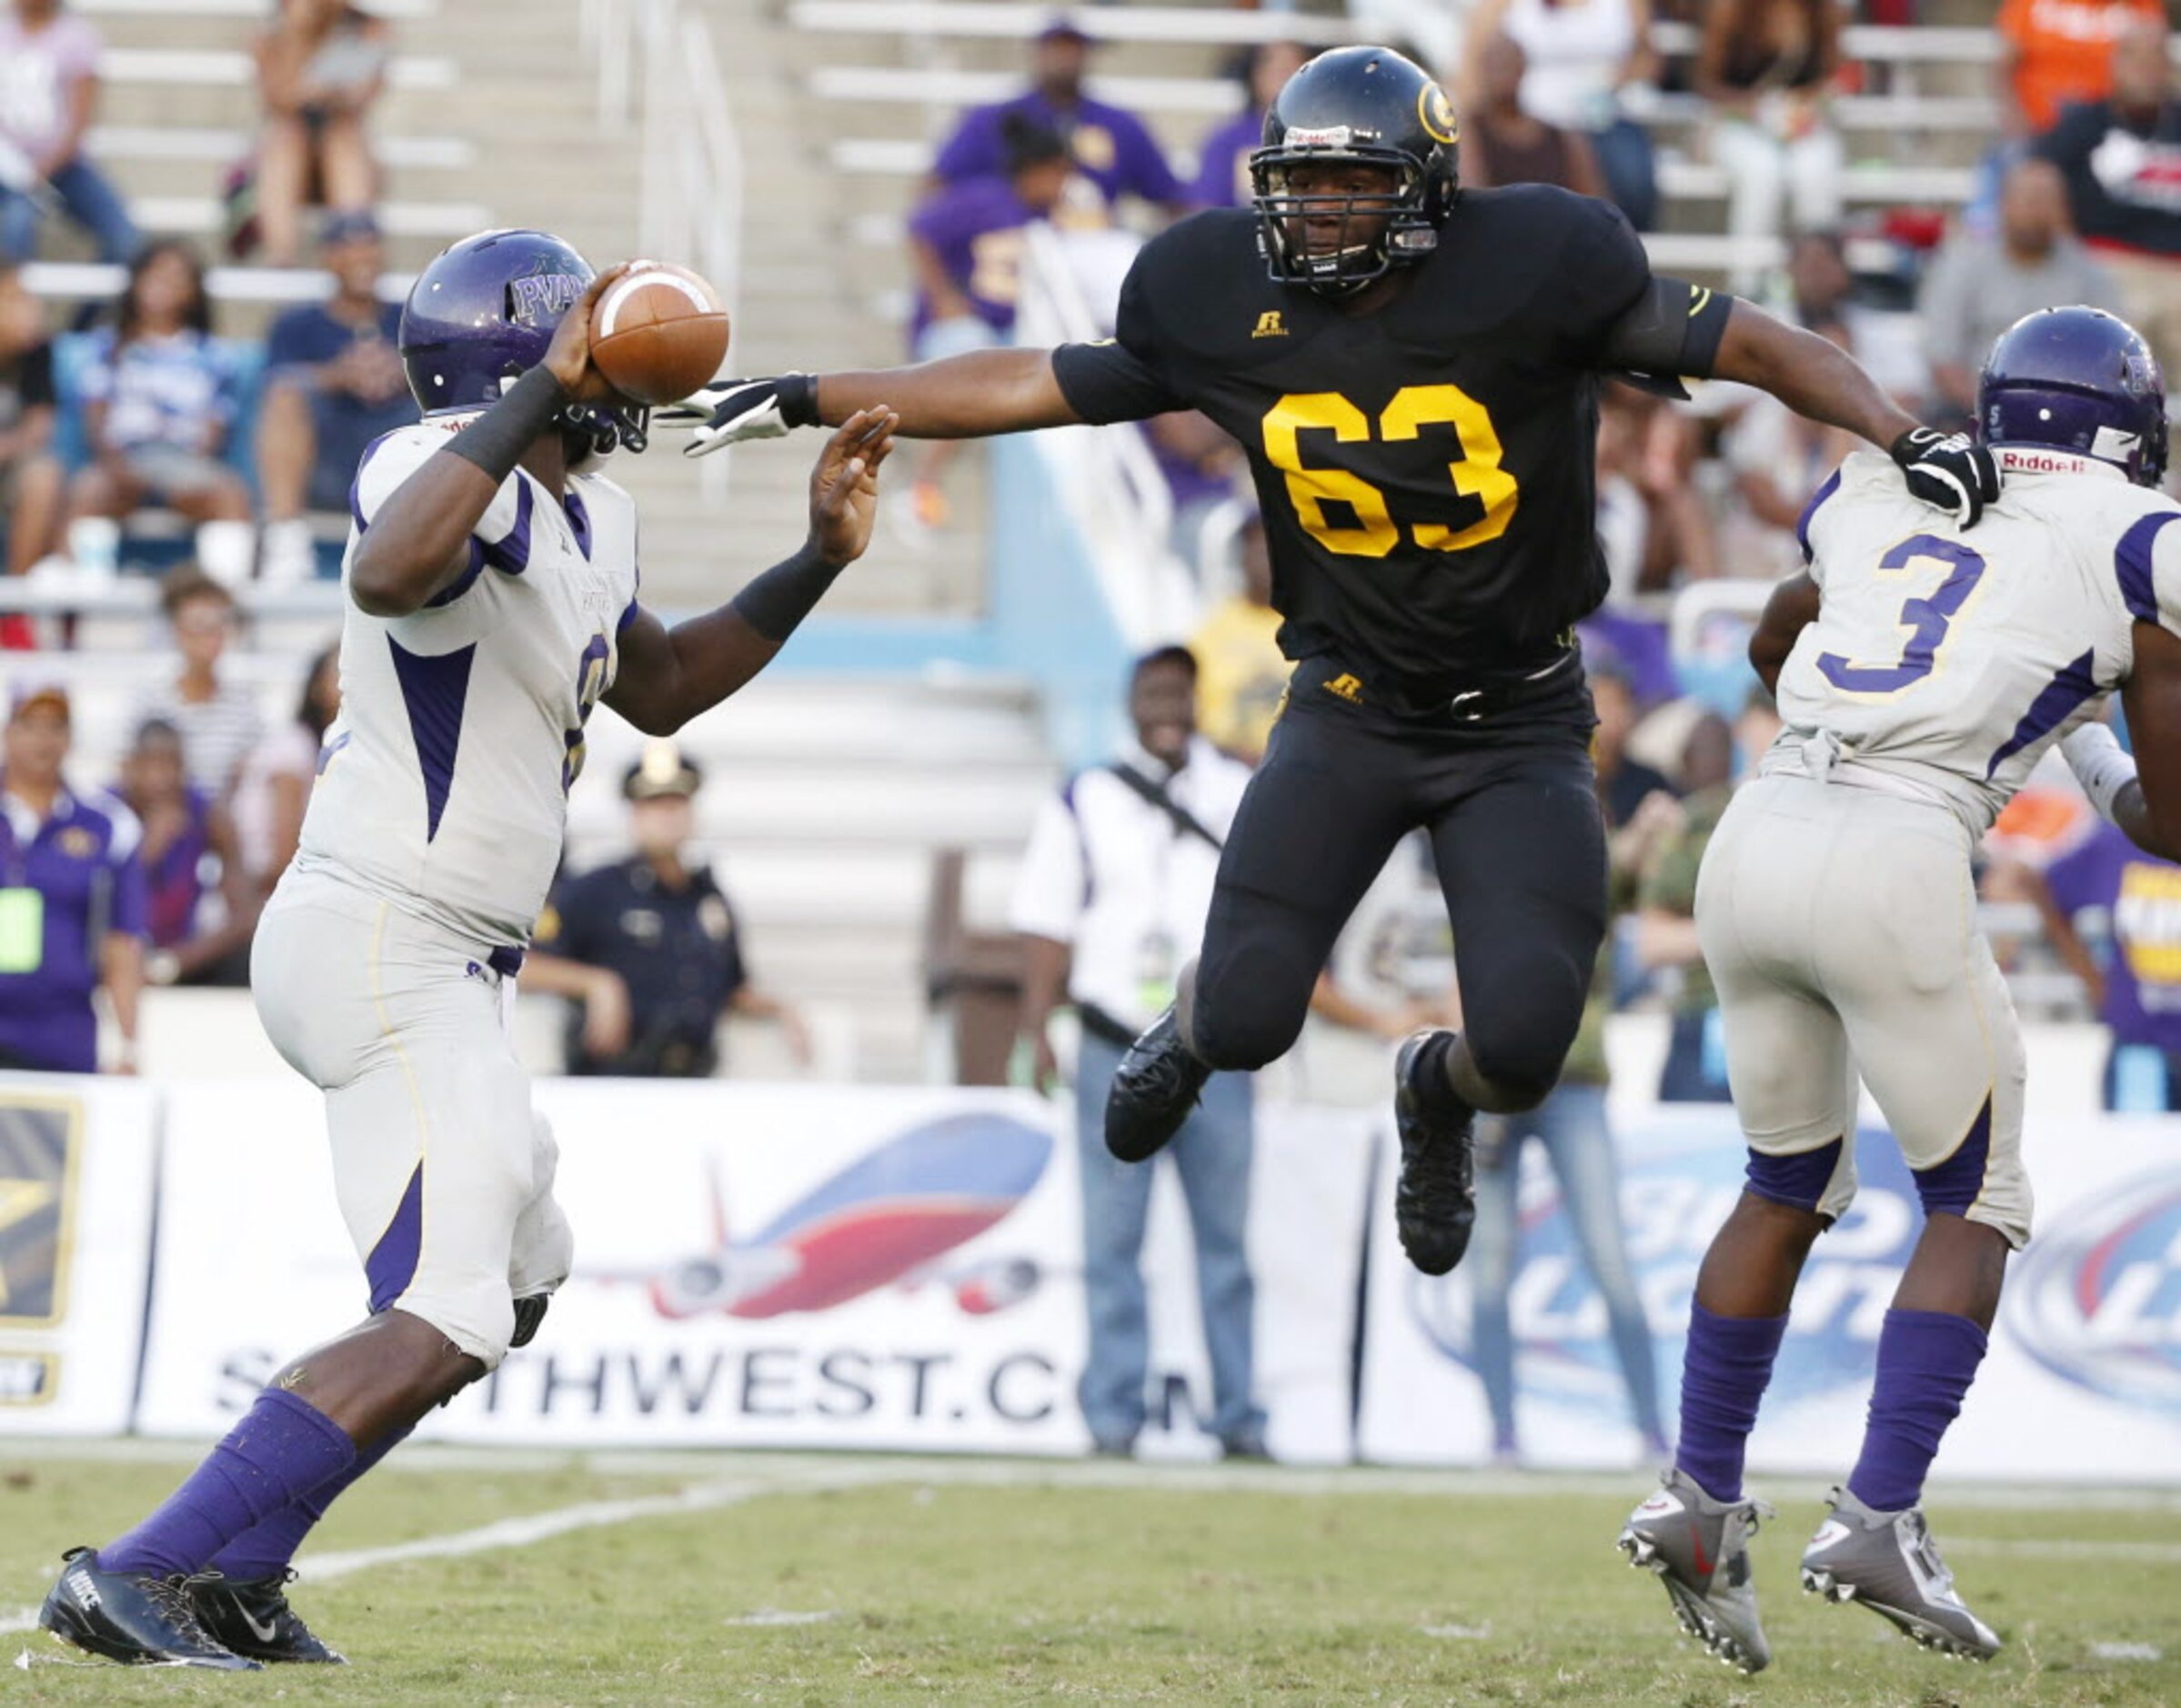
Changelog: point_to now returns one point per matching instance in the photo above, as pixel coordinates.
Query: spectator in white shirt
(1110, 903)
(218, 719)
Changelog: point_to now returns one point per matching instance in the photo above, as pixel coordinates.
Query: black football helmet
(1355, 104)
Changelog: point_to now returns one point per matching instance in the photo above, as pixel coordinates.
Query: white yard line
(805, 1473)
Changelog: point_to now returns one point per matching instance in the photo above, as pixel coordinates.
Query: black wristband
(797, 395)
(496, 441)
(781, 597)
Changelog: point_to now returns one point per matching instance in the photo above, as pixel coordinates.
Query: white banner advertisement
(2087, 1348)
(76, 1178)
(897, 1269)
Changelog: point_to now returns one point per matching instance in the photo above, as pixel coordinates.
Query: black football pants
(1514, 825)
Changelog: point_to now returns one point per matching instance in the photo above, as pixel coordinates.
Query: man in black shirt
(1413, 373)
(648, 948)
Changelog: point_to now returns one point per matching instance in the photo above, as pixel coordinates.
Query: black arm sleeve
(1672, 332)
(1119, 378)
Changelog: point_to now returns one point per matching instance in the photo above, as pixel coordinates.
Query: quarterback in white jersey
(491, 581)
(1921, 669)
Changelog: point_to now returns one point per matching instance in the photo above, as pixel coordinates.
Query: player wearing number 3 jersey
(1414, 372)
(1921, 672)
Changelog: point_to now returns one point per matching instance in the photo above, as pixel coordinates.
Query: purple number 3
(1928, 617)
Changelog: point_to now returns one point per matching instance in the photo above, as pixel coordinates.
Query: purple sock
(1723, 1375)
(264, 1550)
(1927, 1360)
(283, 1447)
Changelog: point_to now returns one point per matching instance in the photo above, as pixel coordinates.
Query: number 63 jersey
(1947, 659)
(443, 785)
(1425, 471)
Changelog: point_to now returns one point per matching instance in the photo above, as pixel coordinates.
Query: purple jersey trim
(2055, 704)
(2132, 564)
(1802, 524)
(1955, 1184)
(433, 690)
(392, 1265)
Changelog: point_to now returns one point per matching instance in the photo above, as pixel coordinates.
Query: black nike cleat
(1154, 1088)
(1436, 1200)
(252, 1618)
(528, 1313)
(133, 1617)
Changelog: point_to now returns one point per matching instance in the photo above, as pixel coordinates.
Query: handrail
(658, 55)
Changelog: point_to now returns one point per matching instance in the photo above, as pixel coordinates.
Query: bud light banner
(2083, 1379)
(76, 1168)
(800, 1267)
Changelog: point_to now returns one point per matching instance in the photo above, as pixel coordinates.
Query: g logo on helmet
(1436, 113)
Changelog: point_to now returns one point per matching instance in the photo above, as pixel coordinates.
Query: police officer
(648, 947)
(72, 901)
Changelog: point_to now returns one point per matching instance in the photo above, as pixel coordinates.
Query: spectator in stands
(31, 478)
(1766, 66)
(648, 948)
(218, 718)
(2121, 158)
(321, 64)
(2055, 53)
(1113, 149)
(1652, 522)
(333, 383)
(274, 785)
(1624, 782)
(1222, 177)
(1504, 144)
(2136, 990)
(1695, 1067)
(1581, 55)
(1242, 676)
(1778, 458)
(159, 402)
(1979, 287)
(48, 93)
(72, 908)
(190, 859)
(1110, 902)
(1203, 468)
(965, 247)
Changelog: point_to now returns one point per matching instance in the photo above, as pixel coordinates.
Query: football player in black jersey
(1413, 371)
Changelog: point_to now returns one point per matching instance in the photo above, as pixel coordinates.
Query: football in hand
(659, 332)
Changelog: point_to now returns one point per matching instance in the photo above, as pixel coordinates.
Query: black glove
(1950, 471)
(728, 411)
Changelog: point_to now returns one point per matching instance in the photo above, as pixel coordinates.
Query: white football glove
(728, 411)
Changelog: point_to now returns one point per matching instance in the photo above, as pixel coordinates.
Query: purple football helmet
(482, 314)
(2076, 379)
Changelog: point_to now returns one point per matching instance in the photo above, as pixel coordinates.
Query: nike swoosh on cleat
(1704, 1560)
(265, 1632)
(1828, 1532)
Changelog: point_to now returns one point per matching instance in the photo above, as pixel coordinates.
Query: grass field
(699, 1579)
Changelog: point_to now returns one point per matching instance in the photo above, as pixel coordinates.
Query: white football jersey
(443, 785)
(1947, 659)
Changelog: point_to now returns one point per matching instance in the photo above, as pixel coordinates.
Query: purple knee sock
(1927, 1360)
(264, 1550)
(1724, 1376)
(284, 1447)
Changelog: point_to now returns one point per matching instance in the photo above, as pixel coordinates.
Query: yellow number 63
(1476, 474)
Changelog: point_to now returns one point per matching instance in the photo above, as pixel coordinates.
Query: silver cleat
(1889, 1562)
(1699, 1549)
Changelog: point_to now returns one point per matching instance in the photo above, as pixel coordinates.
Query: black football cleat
(1436, 1200)
(1154, 1088)
(529, 1312)
(133, 1617)
(252, 1618)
